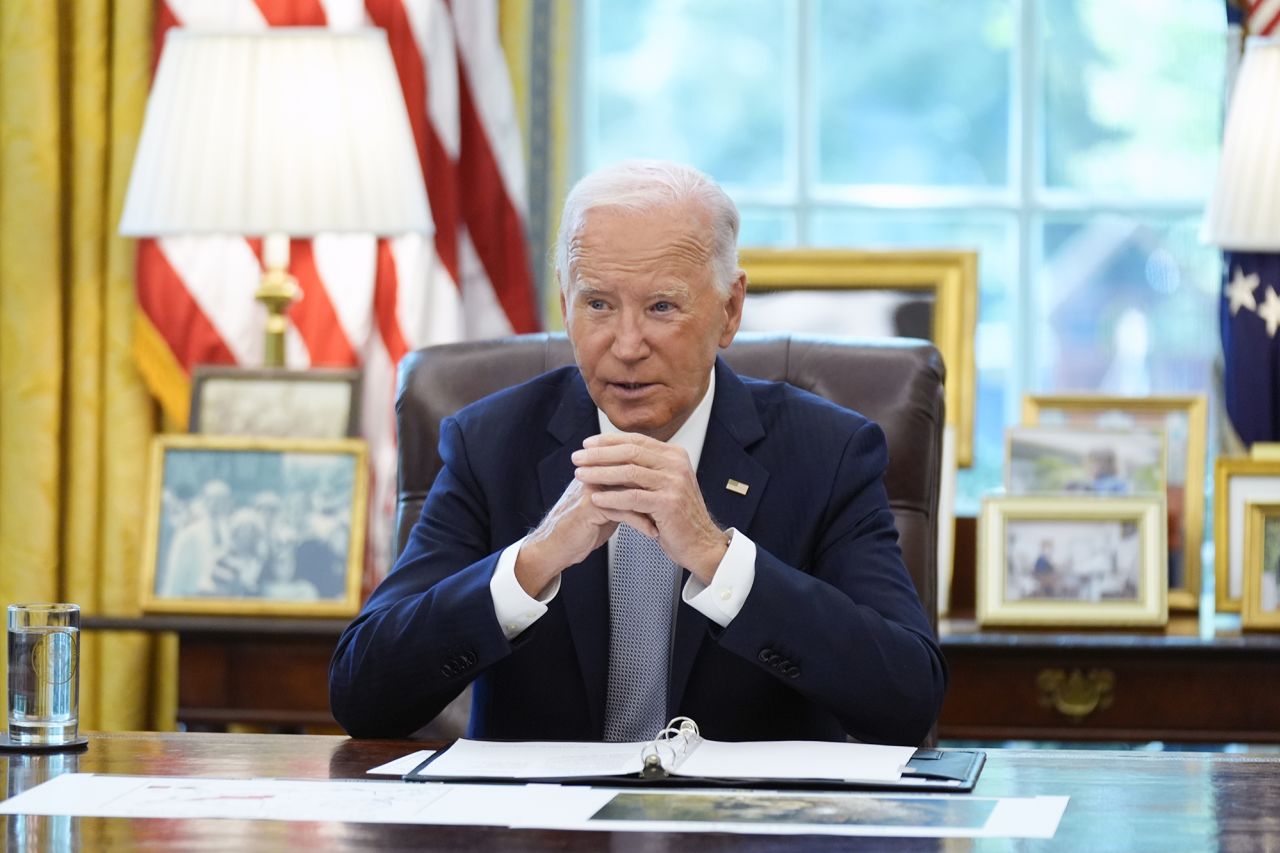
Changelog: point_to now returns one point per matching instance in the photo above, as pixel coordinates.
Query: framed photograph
(1237, 481)
(1184, 422)
(1043, 460)
(1071, 561)
(255, 526)
(275, 402)
(920, 294)
(1261, 602)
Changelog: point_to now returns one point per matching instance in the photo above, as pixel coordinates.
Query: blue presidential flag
(1249, 314)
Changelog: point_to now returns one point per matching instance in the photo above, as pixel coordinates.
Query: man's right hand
(570, 531)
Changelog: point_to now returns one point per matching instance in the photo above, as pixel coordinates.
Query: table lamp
(279, 133)
(1243, 219)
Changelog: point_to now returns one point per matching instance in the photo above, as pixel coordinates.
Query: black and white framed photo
(275, 402)
(255, 526)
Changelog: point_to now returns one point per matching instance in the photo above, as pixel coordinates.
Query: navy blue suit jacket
(832, 639)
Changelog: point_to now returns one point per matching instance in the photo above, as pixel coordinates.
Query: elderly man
(648, 534)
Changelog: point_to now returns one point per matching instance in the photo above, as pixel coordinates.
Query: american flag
(1248, 308)
(1259, 17)
(365, 302)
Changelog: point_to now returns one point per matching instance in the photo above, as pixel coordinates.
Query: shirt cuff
(515, 608)
(722, 599)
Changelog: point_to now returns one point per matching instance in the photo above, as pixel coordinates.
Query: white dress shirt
(719, 601)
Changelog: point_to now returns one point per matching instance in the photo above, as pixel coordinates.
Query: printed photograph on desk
(1044, 460)
(1072, 561)
(1237, 482)
(795, 810)
(275, 402)
(1183, 420)
(1261, 604)
(255, 526)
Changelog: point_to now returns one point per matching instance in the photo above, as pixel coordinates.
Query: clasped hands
(624, 478)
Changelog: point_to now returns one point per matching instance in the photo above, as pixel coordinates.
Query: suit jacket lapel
(584, 591)
(734, 427)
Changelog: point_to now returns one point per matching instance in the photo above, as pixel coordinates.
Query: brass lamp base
(276, 291)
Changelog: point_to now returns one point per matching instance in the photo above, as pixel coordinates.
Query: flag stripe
(1261, 16)
(313, 314)
(437, 166)
(492, 221)
(384, 304)
(292, 13)
(186, 329)
(480, 54)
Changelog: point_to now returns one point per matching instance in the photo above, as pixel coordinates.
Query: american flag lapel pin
(736, 487)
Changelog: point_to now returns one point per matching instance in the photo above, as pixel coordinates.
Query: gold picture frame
(255, 526)
(1237, 480)
(275, 402)
(1084, 562)
(1051, 460)
(1260, 608)
(1185, 422)
(948, 277)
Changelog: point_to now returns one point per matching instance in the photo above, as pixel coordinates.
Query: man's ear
(733, 309)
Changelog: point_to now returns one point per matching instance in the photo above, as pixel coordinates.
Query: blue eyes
(657, 307)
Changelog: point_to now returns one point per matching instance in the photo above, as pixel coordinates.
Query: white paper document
(472, 759)
(795, 759)
(565, 807)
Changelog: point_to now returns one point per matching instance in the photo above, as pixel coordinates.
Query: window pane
(996, 346)
(707, 83)
(1133, 95)
(1127, 306)
(913, 91)
(766, 227)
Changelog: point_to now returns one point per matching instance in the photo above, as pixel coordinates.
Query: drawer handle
(1077, 695)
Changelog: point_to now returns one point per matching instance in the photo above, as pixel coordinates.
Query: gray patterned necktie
(642, 583)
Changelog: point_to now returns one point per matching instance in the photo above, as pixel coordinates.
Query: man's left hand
(642, 476)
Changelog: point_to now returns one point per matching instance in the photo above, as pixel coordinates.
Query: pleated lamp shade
(1244, 211)
(288, 130)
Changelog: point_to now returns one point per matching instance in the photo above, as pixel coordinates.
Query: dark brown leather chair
(896, 382)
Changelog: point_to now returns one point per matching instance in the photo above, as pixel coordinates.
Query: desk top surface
(1119, 800)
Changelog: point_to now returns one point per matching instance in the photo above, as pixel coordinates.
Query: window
(1072, 142)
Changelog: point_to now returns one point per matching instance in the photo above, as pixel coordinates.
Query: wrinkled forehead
(676, 236)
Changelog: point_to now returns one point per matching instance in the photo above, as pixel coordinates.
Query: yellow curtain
(75, 419)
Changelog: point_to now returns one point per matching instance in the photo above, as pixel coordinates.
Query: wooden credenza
(271, 673)
(1007, 685)
(1171, 686)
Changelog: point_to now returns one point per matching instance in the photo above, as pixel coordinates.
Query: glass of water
(44, 673)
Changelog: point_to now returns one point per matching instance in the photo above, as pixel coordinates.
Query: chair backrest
(896, 382)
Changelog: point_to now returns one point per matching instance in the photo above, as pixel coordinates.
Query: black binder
(929, 770)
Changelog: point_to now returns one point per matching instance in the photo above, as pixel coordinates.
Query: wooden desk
(1119, 801)
(1174, 686)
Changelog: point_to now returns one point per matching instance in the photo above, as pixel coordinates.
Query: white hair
(640, 186)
